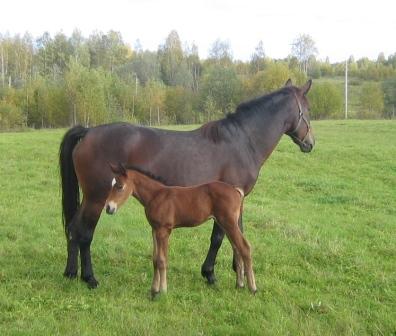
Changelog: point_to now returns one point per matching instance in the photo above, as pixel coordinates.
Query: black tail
(69, 182)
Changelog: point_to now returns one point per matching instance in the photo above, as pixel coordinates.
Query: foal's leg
(243, 247)
(240, 224)
(162, 239)
(207, 269)
(238, 267)
(156, 276)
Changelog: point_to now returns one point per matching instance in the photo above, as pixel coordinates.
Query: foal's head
(121, 189)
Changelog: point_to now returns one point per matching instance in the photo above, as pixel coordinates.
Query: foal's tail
(69, 182)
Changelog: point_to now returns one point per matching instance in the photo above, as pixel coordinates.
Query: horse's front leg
(207, 269)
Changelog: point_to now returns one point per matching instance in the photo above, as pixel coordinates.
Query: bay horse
(231, 150)
(168, 208)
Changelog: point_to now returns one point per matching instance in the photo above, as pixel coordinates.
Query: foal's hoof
(155, 295)
(91, 282)
(209, 275)
(70, 275)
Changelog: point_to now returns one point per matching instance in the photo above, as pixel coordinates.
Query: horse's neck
(263, 131)
(145, 187)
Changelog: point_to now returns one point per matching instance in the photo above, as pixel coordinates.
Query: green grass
(322, 227)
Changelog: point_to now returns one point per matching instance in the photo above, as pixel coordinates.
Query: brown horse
(231, 150)
(168, 208)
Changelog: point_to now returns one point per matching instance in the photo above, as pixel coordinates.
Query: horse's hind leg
(89, 218)
(80, 234)
(207, 269)
(72, 252)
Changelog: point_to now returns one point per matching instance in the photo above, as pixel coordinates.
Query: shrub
(325, 101)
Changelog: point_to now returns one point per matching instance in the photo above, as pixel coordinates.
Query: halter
(300, 117)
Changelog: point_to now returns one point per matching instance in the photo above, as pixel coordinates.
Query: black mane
(147, 173)
(220, 130)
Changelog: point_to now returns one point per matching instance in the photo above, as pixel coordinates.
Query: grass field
(322, 227)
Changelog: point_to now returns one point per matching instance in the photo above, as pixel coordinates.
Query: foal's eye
(118, 186)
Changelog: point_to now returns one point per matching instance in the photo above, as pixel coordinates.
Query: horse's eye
(118, 186)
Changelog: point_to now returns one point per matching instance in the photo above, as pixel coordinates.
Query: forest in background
(64, 80)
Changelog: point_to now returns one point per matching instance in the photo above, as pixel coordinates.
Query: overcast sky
(340, 28)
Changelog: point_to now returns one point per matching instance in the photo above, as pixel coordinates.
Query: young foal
(172, 207)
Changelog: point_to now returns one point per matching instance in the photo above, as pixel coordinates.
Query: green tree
(371, 101)
(220, 53)
(389, 88)
(223, 86)
(257, 60)
(326, 101)
(11, 114)
(86, 94)
(272, 78)
(178, 105)
(174, 68)
(303, 47)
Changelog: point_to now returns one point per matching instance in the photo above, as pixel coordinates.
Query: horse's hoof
(91, 282)
(70, 275)
(209, 275)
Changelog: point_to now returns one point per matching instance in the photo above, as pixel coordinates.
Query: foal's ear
(118, 169)
(305, 88)
(289, 82)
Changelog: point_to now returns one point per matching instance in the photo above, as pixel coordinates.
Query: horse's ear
(289, 82)
(305, 88)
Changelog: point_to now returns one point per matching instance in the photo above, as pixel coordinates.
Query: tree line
(65, 80)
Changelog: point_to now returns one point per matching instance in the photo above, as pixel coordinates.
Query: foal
(167, 208)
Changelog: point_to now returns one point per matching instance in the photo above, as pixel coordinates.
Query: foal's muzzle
(111, 208)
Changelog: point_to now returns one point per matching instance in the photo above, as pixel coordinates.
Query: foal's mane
(147, 173)
(220, 130)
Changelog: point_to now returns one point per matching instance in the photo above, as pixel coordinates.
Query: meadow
(322, 228)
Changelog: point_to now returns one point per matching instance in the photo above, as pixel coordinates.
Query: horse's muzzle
(306, 147)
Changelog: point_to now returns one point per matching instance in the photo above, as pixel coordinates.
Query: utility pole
(346, 89)
(134, 96)
(2, 66)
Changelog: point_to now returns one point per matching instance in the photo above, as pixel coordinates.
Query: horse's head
(121, 189)
(299, 128)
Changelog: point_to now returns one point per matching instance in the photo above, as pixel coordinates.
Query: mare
(168, 208)
(231, 150)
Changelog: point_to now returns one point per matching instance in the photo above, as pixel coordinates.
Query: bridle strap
(300, 117)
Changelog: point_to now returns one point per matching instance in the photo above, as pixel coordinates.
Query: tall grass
(322, 227)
